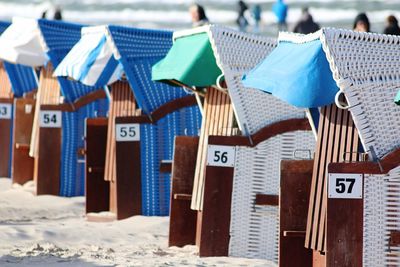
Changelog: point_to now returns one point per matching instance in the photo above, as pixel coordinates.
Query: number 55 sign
(127, 132)
(345, 185)
(221, 156)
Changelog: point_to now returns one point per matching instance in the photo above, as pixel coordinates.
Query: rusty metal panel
(182, 226)
(22, 163)
(5, 140)
(294, 196)
(97, 190)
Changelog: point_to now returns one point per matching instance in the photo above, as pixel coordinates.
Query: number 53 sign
(345, 185)
(5, 111)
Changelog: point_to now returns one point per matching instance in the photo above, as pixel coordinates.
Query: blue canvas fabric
(60, 37)
(73, 128)
(140, 49)
(23, 79)
(296, 73)
(4, 25)
(156, 144)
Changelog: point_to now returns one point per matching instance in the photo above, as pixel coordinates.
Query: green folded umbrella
(190, 61)
(397, 98)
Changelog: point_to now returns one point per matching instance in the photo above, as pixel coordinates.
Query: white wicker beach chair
(365, 67)
(266, 139)
(237, 53)
(254, 230)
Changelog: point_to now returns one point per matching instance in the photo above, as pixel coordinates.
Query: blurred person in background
(392, 26)
(198, 15)
(57, 14)
(280, 10)
(52, 10)
(241, 21)
(361, 23)
(306, 23)
(256, 14)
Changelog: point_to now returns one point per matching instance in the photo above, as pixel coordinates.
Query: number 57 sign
(345, 185)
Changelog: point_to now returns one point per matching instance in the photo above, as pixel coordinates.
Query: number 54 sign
(50, 119)
(345, 185)
(221, 156)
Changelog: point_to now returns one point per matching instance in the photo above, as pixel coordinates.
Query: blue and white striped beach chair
(107, 51)
(47, 42)
(60, 38)
(139, 50)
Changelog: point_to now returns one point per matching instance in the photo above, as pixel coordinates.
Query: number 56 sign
(345, 185)
(221, 156)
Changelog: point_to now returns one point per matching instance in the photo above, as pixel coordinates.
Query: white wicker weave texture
(366, 68)
(381, 213)
(255, 229)
(236, 54)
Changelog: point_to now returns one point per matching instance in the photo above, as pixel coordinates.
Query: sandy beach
(53, 231)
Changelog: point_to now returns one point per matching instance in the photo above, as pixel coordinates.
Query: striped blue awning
(91, 60)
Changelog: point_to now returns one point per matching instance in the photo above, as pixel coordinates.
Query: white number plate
(50, 119)
(345, 185)
(221, 156)
(127, 132)
(5, 111)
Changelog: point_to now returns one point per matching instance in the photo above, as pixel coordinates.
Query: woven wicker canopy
(297, 73)
(190, 61)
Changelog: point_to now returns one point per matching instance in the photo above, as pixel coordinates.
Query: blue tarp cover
(296, 73)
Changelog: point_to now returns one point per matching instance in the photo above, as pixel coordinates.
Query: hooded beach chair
(24, 82)
(369, 84)
(347, 217)
(229, 193)
(144, 116)
(5, 118)
(16, 81)
(61, 105)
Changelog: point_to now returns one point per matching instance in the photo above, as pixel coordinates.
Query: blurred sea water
(173, 14)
